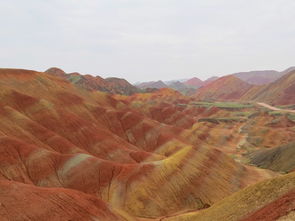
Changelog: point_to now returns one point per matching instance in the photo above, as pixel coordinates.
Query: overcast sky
(144, 40)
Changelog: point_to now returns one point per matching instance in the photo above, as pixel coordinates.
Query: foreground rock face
(27, 202)
(113, 157)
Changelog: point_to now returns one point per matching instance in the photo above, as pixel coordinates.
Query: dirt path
(275, 108)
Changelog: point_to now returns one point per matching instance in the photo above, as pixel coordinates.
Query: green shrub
(222, 120)
(224, 105)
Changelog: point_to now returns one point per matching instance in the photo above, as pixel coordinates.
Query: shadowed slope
(182, 88)
(152, 84)
(278, 159)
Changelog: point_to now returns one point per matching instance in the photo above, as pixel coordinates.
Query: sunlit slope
(267, 200)
(224, 88)
(280, 92)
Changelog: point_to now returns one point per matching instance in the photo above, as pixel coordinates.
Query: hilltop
(224, 88)
(89, 82)
(280, 92)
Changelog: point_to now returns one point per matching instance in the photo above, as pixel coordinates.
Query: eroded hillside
(148, 155)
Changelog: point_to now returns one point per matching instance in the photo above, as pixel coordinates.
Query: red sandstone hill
(152, 84)
(182, 88)
(209, 80)
(262, 77)
(269, 200)
(194, 82)
(187, 87)
(102, 156)
(190, 86)
(280, 92)
(224, 88)
(89, 82)
(259, 77)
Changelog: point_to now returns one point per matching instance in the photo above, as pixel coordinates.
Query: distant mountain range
(185, 86)
(262, 77)
(268, 86)
(152, 84)
(224, 88)
(278, 92)
(228, 87)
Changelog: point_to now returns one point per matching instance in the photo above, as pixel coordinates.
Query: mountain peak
(55, 71)
(152, 84)
(95, 83)
(194, 82)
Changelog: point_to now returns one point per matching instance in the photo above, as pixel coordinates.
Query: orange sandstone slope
(54, 134)
(224, 88)
(269, 200)
(194, 82)
(28, 202)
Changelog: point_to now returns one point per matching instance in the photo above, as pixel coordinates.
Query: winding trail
(275, 108)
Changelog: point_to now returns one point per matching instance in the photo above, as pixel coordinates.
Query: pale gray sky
(144, 40)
